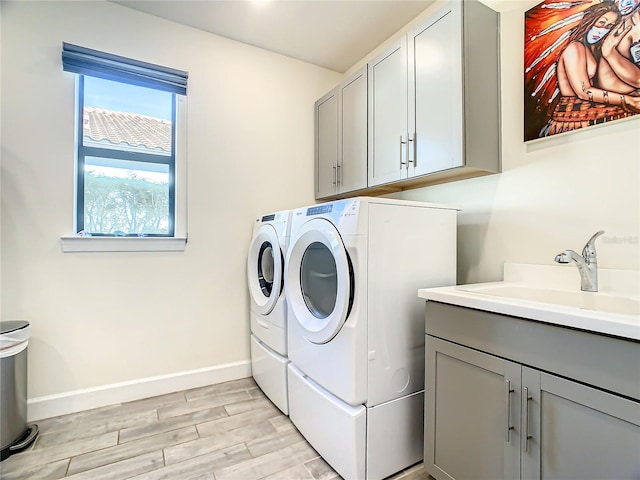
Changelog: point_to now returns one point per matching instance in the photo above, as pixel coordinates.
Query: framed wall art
(582, 65)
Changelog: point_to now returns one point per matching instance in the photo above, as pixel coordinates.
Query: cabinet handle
(413, 154)
(339, 174)
(402, 143)
(333, 175)
(507, 413)
(525, 411)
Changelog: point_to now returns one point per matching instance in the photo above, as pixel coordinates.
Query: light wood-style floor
(227, 431)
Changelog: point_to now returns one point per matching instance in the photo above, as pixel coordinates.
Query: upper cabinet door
(352, 115)
(388, 115)
(435, 93)
(326, 144)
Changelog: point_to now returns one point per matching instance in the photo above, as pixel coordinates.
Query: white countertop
(614, 285)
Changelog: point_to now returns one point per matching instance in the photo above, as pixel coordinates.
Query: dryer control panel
(342, 213)
(280, 221)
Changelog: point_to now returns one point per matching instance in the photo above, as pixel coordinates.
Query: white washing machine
(356, 342)
(265, 275)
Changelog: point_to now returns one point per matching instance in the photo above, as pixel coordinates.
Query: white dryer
(265, 274)
(356, 324)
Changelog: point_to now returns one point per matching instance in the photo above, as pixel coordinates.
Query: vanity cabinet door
(577, 431)
(472, 413)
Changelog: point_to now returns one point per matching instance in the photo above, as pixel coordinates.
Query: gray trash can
(15, 434)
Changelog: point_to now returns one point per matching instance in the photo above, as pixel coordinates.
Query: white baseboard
(88, 398)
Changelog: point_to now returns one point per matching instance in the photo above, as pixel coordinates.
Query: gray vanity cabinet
(490, 413)
(341, 138)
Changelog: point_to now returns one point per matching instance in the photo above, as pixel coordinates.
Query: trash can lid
(12, 326)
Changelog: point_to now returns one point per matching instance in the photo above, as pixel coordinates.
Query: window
(128, 123)
(126, 159)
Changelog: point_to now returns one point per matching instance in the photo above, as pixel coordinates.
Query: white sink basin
(551, 294)
(595, 301)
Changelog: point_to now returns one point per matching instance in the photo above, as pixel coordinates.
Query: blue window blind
(86, 61)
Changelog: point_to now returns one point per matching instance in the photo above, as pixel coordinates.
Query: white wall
(553, 194)
(99, 319)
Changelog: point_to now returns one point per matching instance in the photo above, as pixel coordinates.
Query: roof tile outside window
(118, 128)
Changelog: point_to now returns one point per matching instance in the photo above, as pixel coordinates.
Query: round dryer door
(265, 267)
(319, 280)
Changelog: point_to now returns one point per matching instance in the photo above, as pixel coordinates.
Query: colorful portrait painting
(582, 65)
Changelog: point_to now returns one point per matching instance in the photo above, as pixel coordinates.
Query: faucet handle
(589, 250)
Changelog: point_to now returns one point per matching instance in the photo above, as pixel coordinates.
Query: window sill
(123, 244)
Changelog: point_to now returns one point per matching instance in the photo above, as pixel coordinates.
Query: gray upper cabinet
(434, 103)
(341, 138)
(454, 94)
(388, 115)
(326, 144)
(435, 94)
(352, 123)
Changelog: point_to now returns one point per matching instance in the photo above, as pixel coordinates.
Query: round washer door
(265, 267)
(319, 280)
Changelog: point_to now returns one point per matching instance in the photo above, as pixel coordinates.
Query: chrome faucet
(587, 263)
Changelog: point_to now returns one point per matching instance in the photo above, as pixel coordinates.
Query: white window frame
(75, 243)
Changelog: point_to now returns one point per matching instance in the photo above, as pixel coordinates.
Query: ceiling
(334, 34)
